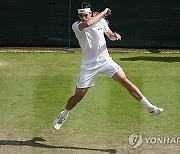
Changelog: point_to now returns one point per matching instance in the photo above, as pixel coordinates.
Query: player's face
(85, 16)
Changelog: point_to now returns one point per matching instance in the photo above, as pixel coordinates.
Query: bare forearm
(95, 19)
(113, 36)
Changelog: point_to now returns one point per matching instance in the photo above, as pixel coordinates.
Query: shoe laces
(60, 118)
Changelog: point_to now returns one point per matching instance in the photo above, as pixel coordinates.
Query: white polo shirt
(92, 42)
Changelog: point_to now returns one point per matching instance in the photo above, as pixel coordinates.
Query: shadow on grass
(35, 143)
(156, 59)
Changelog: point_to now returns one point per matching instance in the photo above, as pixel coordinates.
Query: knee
(78, 97)
(126, 83)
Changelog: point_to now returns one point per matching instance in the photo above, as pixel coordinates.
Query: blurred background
(47, 23)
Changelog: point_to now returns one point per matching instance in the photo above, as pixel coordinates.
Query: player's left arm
(113, 36)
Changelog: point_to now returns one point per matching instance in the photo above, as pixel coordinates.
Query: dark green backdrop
(142, 23)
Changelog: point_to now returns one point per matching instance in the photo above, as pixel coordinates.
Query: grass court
(34, 88)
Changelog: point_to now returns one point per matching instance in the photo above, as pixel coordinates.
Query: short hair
(84, 5)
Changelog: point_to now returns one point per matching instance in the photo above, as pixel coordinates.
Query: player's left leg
(120, 77)
(85, 81)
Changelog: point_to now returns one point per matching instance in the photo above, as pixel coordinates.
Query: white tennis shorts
(88, 74)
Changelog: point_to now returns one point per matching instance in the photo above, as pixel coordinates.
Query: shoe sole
(57, 128)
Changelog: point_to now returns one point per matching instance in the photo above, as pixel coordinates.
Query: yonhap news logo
(137, 139)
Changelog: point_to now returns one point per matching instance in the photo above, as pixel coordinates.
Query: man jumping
(96, 59)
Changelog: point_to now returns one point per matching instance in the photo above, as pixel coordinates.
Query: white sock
(65, 113)
(146, 102)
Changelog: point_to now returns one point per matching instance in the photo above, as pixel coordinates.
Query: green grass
(36, 86)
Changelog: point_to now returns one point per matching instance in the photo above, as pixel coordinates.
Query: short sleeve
(106, 27)
(75, 26)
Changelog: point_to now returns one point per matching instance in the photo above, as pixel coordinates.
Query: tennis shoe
(155, 110)
(59, 121)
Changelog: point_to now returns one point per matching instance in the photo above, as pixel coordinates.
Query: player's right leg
(77, 97)
(135, 92)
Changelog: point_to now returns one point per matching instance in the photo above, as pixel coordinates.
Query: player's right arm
(93, 20)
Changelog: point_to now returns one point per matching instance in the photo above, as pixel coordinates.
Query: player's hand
(107, 12)
(118, 37)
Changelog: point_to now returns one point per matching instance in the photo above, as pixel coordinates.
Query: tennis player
(95, 59)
